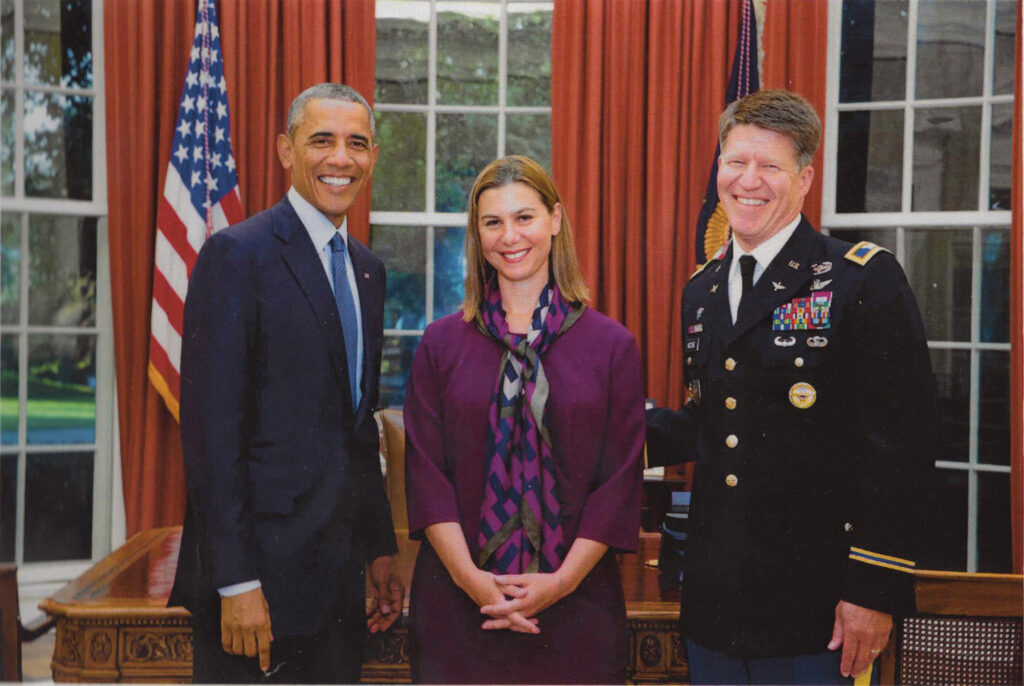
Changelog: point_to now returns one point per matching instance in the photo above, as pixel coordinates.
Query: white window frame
(431, 219)
(38, 579)
(905, 219)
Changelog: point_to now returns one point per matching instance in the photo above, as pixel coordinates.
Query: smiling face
(515, 233)
(761, 185)
(331, 155)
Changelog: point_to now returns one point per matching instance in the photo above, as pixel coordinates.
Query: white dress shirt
(763, 255)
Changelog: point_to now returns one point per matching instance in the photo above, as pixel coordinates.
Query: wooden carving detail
(70, 648)
(151, 646)
(101, 648)
(650, 650)
(390, 647)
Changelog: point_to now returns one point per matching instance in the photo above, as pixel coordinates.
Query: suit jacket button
(732, 441)
(731, 481)
(730, 364)
(730, 403)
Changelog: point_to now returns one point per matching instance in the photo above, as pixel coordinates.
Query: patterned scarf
(520, 519)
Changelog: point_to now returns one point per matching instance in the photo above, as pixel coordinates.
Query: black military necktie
(747, 264)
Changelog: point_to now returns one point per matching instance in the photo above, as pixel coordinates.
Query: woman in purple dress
(525, 430)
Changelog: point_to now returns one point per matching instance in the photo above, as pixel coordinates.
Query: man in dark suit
(280, 364)
(810, 415)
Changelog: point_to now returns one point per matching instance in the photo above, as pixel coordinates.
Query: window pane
(1000, 157)
(7, 40)
(58, 43)
(9, 376)
(467, 53)
(403, 51)
(873, 58)
(10, 268)
(995, 547)
(62, 273)
(529, 54)
(404, 251)
(7, 141)
(58, 506)
(870, 179)
(8, 505)
(950, 48)
(466, 143)
(938, 265)
(395, 368)
(994, 407)
(995, 286)
(449, 270)
(530, 135)
(1006, 33)
(61, 405)
(945, 545)
(58, 146)
(400, 178)
(952, 370)
(947, 144)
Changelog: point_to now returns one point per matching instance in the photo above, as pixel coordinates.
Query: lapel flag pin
(366, 275)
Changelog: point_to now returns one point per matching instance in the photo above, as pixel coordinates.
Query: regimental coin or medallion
(802, 395)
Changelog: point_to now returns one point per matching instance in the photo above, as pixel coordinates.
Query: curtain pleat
(272, 49)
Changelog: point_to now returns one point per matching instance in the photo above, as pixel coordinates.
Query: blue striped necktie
(347, 312)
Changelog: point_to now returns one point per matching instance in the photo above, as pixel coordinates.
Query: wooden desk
(112, 623)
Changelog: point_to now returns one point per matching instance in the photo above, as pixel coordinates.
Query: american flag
(200, 196)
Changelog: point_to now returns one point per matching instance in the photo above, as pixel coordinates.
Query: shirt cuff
(239, 589)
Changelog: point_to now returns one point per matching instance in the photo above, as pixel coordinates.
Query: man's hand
(387, 596)
(245, 626)
(862, 633)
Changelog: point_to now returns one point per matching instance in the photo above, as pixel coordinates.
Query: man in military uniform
(809, 416)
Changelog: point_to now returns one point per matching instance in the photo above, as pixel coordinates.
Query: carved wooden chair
(12, 632)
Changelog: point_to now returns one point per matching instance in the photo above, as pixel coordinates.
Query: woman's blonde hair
(563, 263)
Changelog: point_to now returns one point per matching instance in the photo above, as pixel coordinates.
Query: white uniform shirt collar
(765, 252)
(320, 229)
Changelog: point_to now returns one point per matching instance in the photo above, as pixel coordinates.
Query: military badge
(794, 264)
(700, 312)
(785, 342)
(778, 286)
(818, 284)
(804, 313)
(802, 395)
(692, 345)
(822, 268)
(696, 328)
(817, 342)
(694, 389)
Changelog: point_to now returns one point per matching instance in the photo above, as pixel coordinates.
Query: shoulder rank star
(778, 286)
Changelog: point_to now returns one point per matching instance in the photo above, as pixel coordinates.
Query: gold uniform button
(847, 527)
(799, 362)
(730, 364)
(689, 361)
(730, 403)
(731, 481)
(732, 441)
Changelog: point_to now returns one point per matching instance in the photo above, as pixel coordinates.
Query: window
(56, 405)
(458, 84)
(918, 129)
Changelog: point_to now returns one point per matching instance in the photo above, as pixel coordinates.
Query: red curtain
(637, 88)
(272, 50)
(1017, 317)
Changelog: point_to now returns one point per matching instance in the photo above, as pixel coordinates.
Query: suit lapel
(786, 274)
(719, 317)
(300, 255)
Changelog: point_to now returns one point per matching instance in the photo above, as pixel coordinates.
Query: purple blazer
(596, 419)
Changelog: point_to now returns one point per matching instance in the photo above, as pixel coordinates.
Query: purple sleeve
(611, 513)
(430, 494)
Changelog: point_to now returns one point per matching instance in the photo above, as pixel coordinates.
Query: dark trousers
(332, 656)
(713, 667)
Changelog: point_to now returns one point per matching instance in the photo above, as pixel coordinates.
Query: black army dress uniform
(809, 422)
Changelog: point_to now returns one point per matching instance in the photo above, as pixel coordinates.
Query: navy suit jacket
(284, 484)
